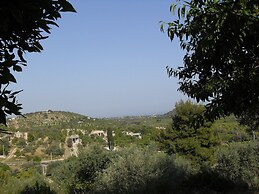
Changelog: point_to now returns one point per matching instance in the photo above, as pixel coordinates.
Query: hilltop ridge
(46, 118)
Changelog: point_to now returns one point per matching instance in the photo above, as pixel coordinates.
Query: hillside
(52, 143)
(48, 134)
(44, 118)
(169, 114)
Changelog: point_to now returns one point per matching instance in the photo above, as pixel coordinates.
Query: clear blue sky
(106, 60)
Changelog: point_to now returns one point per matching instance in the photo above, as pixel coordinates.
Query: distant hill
(46, 118)
(168, 114)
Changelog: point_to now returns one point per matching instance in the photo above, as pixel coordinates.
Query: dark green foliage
(63, 173)
(55, 150)
(39, 188)
(207, 180)
(240, 163)
(229, 130)
(186, 136)
(236, 171)
(4, 146)
(220, 66)
(4, 167)
(144, 170)
(91, 163)
(29, 149)
(139, 168)
(69, 142)
(250, 120)
(187, 115)
(31, 137)
(20, 181)
(21, 143)
(79, 174)
(110, 139)
(36, 159)
(23, 25)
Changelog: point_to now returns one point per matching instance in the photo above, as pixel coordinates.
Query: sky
(107, 60)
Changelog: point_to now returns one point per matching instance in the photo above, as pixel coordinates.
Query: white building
(129, 133)
(23, 135)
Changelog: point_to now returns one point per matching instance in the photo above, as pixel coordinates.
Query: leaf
(45, 27)
(162, 26)
(172, 8)
(11, 78)
(17, 68)
(170, 34)
(38, 46)
(66, 6)
(20, 54)
(12, 95)
(52, 23)
(183, 11)
(10, 63)
(179, 13)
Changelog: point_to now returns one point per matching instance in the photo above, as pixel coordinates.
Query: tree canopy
(23, 25)
(187, 137)
(221, 64)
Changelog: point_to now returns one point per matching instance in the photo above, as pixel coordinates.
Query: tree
(79, 174)
(143, 170)
(221, 64)
(38, 188)
(110, 139)
(31, 137)
(55, 150)
(240, 163)
(186, 137)
(4, 146)
(23, 25)
(69, 142)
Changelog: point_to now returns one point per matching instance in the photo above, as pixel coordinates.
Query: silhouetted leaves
(221, 64)
(23, 25)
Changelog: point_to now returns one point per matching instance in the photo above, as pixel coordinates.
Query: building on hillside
(132, 134)
(72, 143)
(75, 139)
(161, 128)
(22, 135)
(99, 133)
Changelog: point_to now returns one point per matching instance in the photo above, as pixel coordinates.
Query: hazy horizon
(115, 116)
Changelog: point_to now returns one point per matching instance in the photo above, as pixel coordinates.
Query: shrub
(142, 170)
(240, 163)
(39, 188)
(55, 150)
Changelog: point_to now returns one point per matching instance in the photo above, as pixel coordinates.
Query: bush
(78, 175)
(240, 163)
(89, 164)
(207, 180)
(39, 188)
(144, 170)
(55, 150)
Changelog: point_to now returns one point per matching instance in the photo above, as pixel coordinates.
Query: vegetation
(179, 152)
(221, 61)
(173, 155)
(186, 137)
